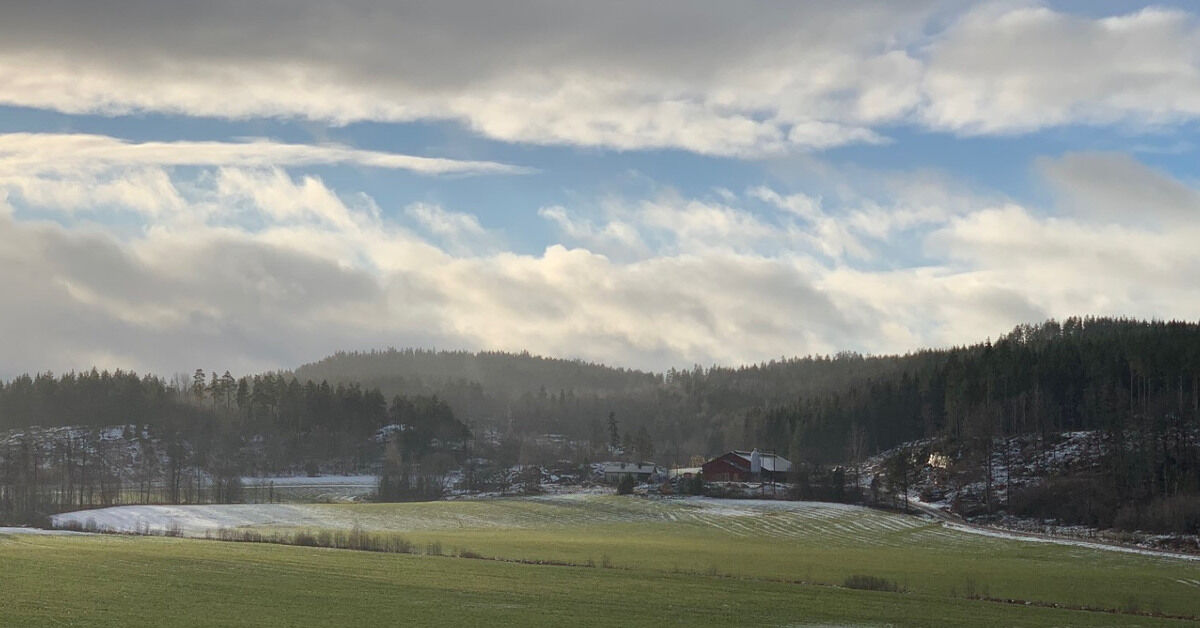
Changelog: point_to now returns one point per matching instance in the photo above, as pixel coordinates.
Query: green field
(640, 562)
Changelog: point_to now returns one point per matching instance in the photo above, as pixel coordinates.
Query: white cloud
(145, 190)
(1005, 68)
(51, 153)
(283, 200)
(671, 225)
(707, 77)
(77, 172)
(458, 232)
(445, 223)
(617, 237)
(1114, 187)
(262, 268)
(738, 79)
(833, 236)
(799, 203)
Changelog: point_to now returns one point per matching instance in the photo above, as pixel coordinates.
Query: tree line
(101, 438)
(1136, 382)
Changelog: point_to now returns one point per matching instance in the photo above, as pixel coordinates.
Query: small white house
(613, 472)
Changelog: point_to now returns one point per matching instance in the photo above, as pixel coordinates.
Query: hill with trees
(1135, 385)
(100, 438)
(400, 371)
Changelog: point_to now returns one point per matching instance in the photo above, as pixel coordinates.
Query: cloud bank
(739, 79)
(165, 256)
(274, 267)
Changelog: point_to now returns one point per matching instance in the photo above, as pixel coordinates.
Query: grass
(636, 561)
(143, 581)
(817, 545)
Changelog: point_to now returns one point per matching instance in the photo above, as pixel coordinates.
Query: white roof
(628, 467)
(685, 470)
(770, 462)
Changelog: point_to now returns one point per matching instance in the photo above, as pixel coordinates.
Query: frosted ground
(301, 488)
(735, 517)
(837, 524)
(34, 531)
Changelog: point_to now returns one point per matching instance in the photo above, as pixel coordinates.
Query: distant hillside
(508, 375)
(1132, 386)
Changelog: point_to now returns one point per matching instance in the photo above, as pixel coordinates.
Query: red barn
(738, 466)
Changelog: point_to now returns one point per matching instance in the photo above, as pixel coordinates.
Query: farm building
(684, 472)
(746, 466)
(641, 471)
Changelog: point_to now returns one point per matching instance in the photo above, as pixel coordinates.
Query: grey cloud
(74, 300)
(441, 44)
(745, 78)
(183, 297)
(1012, 67)
(1114, 187)
(697, 308)
(30, 154)
(193, 293)
(709, 76)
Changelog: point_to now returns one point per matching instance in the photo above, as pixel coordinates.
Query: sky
(255, 185)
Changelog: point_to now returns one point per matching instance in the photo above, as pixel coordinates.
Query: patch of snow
(1013, 536)
(323, 481)
(187, 520)
(744, 507)
(37, 531)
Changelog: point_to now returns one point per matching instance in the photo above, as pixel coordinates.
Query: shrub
(31, 519)
(1179, 514)
(530, 480)
(625, 486)
(692, 486)
(1071, 500)
(400, 545)
(870, 583)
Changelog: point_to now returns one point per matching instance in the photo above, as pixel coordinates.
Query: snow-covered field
(35, 531)
(1028, 538)
(196, 520)
(319, 480)
(303, 488)
(735, 517)
(838, 525)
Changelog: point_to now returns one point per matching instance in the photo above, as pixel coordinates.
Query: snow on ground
(303, 488)
(771, 505)
(193, 520)
(834, 525)
(1014, 536)
(319, 480)
(770, 518)
(36, 531)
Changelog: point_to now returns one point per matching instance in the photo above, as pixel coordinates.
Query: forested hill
(1134, 385)
(1082, 374)
(508, 375)
(1077, 374)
